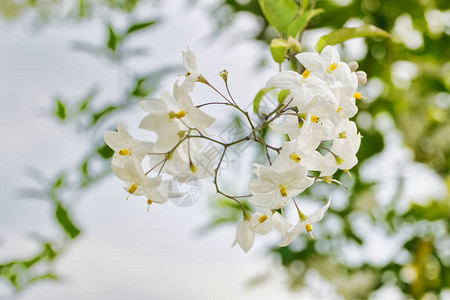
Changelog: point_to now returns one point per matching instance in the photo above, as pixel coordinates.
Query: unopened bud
(181, 133)
(278, 48)
(362, 77)
(353, 66)
(224, 75)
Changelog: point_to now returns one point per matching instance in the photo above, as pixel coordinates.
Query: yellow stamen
(263, 218)
(342, 135)
(124, 152)
(180, 114)
(283, 191)
(132, 189)
(348, 172)
(308, 227)
(306, 74)
(359, 96)
(315, 119)
(295, 157)
(187, 74)
(339, 109)
(333, 67)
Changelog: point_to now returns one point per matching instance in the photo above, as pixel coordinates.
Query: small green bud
(192, 167)
(279, 48)
(224, 75)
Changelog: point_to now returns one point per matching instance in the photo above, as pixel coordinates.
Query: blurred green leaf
(64, 219)
(259, 96)
(97, 116)
(113, 39)
(344, 34)
(140, 26)
(279, 13)
(300, 22)
(60, 110)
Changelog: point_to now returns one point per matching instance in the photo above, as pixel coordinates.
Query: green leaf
(344, 34)
(63, 218)
(282, 96)
(96, 117)
(279, 13)
(60, 110)
(300, 22)
(113, 39)
(140, 26)
(258, 98)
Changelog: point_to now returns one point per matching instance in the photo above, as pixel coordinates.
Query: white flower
(275, 186)
(327, 66)
(140, 185)
(124, 145)
(295, 125)
(301, 151)
(196, 116)
(256, 223)
(304, 223)
(343, 151)
(192, 73)
(164, 120)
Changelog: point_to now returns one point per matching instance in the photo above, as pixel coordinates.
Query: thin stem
(211, 103)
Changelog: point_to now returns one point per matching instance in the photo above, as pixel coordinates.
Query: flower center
(124, 152)
(283, 191)
(295, 157)
(132, 189)
(342, 135)
(339, 109)
(180, 114)
(306, 74)
(308, 227)
(315, 119)
(187, 74)
(332, 67)
(263, 218)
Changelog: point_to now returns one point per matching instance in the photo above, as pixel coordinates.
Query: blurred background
(71, 69)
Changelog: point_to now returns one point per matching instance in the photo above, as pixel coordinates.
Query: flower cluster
(314, 115)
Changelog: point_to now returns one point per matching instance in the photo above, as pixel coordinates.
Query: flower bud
(353, 66)
(278, 47)
(362, 77)
(224, 75)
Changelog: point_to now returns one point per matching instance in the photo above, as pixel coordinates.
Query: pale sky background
(125, 251)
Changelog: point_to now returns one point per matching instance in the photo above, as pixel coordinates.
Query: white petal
(154, 106)
(113, 140)
(126, 137)
(189, 61)
(285, 80)
(245, 235)
(281, 224)
(311, 61)
(318, 215)
(330, 54)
